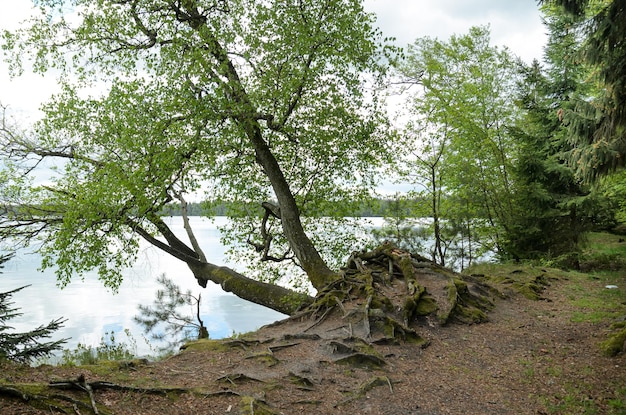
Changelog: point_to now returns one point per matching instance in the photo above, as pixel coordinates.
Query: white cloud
(23, 94)
(515, 24)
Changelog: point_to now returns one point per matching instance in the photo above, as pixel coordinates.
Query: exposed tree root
(44, 396)
(366, 387)
(385, 295)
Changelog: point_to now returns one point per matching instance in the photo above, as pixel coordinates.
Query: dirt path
(530, 358)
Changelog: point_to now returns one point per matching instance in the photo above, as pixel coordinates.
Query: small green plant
(109, 349)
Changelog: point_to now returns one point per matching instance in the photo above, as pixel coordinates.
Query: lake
(92, 310)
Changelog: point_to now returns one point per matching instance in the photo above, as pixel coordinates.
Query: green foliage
(109, 349)
(165, 323)
(459, 149)
(554, 207)
(28, 346)
(597, 123)
(247, 101)
(613, 187)
(603, 252)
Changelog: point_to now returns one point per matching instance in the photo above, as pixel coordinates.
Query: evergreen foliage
(165, 322)
(553, 206)
(597, 123)
(28, 346)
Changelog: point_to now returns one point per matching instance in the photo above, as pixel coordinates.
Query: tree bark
(247, 117)
(273, 296)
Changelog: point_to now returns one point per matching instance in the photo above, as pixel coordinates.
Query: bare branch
(190, 234)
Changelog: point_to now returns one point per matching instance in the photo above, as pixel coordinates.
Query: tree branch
(190, 234)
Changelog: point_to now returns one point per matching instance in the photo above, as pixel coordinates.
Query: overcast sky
(514, 23)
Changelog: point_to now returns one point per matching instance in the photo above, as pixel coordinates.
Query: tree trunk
(247, 118)
(272, 296)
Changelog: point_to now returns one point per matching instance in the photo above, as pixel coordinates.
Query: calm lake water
(92, 310)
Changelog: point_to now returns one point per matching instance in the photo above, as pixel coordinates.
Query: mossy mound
(529, 281)
(387, 294)
(616, 343)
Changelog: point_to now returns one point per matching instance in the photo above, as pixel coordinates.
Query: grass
(603, 263)
(595, 302)
(605, 243)
(603, 253)
(603, 260)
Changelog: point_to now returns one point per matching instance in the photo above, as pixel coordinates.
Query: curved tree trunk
(273, 296)
(247, 117)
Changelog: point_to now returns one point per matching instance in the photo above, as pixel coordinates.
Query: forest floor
(533, 356)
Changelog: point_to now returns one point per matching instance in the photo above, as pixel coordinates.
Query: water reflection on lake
(92, 310)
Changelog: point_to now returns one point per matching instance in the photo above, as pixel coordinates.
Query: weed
(109, 349)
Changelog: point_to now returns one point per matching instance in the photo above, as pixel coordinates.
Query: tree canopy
(461, 104)
(271, 101)
(598, 122)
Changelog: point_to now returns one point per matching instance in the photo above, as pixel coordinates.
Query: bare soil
(529, 358)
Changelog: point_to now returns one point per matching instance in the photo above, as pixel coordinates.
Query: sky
(514, 23)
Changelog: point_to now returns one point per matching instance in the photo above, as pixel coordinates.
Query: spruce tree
(28, 346)
(554, 207)
(597, 123)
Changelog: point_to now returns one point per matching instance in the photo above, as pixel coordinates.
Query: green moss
(426, 306)
(206, 345)
(470, 315)
(251, 406)
(266, 358)
(467, 308)
(406, 266)
(371, 384)
(382, 303)
(526, 280)
(614, 345)
(38, 389)
(358, 353)
(461, 286)
(300, 381)
(362, 360)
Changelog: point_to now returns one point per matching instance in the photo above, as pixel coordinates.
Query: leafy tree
(165, 315)
(254, 101)
(461, 151)
(27, 346)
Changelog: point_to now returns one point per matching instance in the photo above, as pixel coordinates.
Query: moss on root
(385, 294)
(616, 343)
(251, 406)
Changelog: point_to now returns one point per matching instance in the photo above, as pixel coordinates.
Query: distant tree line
(374, 207)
